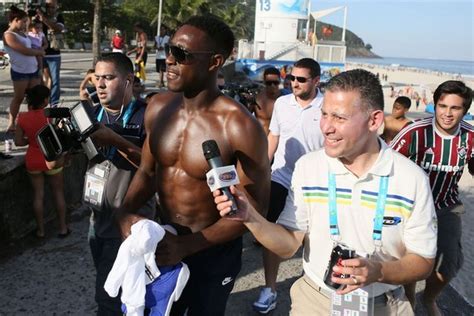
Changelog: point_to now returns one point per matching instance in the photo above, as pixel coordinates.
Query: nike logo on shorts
(226, 280)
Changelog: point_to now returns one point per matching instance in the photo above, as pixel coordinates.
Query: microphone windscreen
(57, 112)
(210, 149)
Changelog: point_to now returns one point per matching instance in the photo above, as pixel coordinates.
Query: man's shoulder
(285, 98)
(283, 101)
(404, 167)
(467, 127)
(414, 127)
(313, 158)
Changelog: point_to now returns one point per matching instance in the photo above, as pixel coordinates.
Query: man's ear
(216, 62)
(376, 119)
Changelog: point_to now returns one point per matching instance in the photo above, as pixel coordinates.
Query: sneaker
(266, 301)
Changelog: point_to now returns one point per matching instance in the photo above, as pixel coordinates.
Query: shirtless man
(267, 97)
(173, 165)
(395, 122)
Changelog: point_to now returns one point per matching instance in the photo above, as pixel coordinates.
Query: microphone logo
(228, 176)
(211, 181)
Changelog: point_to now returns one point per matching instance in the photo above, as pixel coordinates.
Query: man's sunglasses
(272, 82)
(299, 79)
(181, 55)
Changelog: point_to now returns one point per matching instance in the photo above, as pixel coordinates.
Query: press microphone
(59, 112)
(213, 157)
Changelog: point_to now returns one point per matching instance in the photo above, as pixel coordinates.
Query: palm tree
(96, 28)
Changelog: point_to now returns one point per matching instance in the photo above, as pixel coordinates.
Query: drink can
(8, 145)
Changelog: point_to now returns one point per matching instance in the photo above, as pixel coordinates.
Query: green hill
(356, 47)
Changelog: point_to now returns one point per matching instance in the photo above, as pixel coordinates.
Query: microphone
(213, 157)
(59, 112)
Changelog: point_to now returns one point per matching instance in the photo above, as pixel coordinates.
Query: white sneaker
(266, 301)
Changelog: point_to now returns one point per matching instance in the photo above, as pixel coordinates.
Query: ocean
(465, 68)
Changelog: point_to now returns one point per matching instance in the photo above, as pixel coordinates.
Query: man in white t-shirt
(161, 41)
(294, 131)
(356, 193)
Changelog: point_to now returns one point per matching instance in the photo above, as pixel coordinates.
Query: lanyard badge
(357, 302)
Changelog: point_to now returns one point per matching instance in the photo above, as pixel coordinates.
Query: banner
(282, 8)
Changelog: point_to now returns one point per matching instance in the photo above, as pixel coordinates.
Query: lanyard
(126, 117)
(380, 209)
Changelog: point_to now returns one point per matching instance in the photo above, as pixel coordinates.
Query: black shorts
(278, 194)
(144, 58)
(449, 257)
(160, 65)
(212, 277)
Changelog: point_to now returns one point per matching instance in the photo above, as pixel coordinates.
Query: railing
(330, 52)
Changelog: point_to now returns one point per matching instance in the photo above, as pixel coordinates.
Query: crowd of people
(313, 170)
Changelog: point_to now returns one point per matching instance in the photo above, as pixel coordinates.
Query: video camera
(245, 93)
(36, 5)
(70, 129)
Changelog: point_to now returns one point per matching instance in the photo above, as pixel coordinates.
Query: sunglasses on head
(299, 79)
(272, 82)
(181, 55)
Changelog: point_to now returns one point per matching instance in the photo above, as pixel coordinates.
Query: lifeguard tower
(283, 35)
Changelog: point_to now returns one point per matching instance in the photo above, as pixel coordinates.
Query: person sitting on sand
(395, 122)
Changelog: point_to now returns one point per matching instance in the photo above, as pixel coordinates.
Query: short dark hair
(456, 87)
(311, 64)
(36, 95)
(121, 62)
(403, 101)
(361, 81)
(220, 34)
(16, 13)
(271, 71)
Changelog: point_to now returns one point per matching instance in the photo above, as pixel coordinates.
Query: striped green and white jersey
(442, 157)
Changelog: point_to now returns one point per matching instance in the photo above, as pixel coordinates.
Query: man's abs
(186, 201)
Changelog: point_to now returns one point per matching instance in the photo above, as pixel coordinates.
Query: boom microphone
(213, 157)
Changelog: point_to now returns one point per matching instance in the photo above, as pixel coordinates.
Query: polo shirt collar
(316, 102)
(382, 167)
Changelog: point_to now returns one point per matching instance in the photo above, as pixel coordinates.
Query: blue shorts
(18, 76)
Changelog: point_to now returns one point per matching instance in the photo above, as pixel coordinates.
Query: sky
(427, 29)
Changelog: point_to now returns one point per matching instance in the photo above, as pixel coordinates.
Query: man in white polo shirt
(359, 194)
(294, 131)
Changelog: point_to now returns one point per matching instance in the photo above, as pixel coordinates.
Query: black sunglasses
(272, 82)
(299, 79)
(181, 55)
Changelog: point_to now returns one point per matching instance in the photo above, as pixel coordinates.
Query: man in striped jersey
(357, 192)
(442, 146)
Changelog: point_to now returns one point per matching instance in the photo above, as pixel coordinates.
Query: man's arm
(410, 268)
(143, 186)
(57, 26)
(83, 95)
(105, 136)
(274, 237)
(272, 144)
(402, 141)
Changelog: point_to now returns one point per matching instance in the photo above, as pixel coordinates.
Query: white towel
(128, 271)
